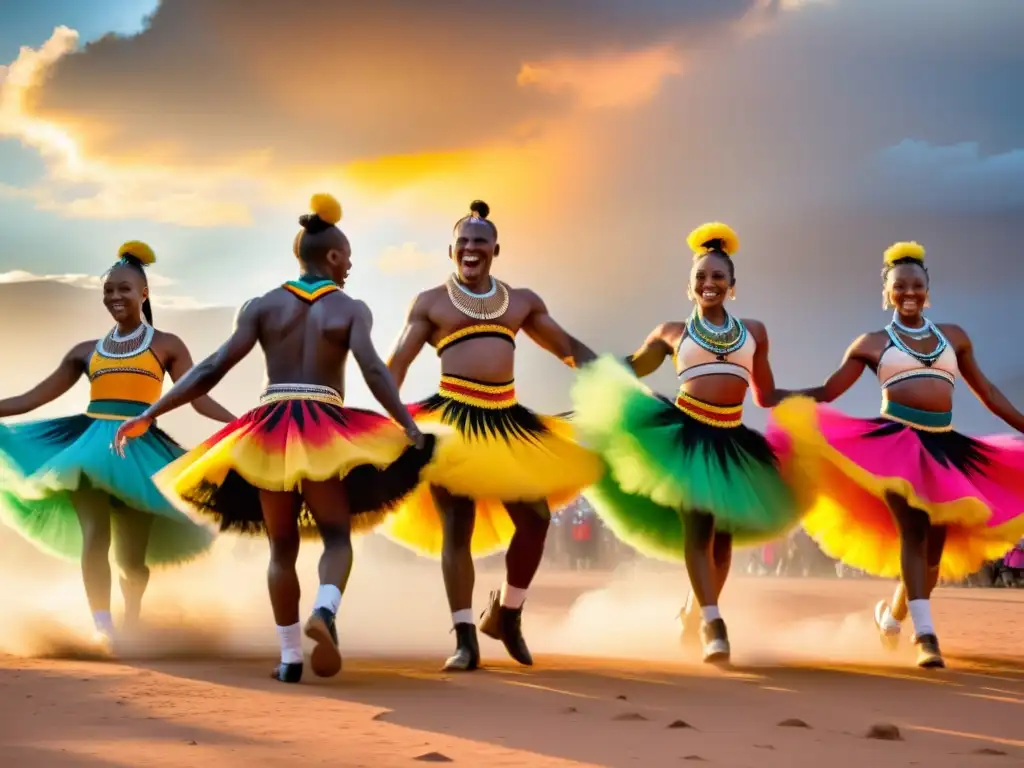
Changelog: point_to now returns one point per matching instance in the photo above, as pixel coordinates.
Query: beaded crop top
(480, 331)
(123, 386)
(693, 361)
(895, 366)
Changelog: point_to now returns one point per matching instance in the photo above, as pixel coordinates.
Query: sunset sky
(600, 132)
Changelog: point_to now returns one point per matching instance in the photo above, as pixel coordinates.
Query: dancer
(309, 463)
(905, 495)
(494, 484)
(61, 486)
(686, 479)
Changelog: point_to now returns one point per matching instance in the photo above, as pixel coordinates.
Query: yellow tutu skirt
(298, 433)
(500, 452)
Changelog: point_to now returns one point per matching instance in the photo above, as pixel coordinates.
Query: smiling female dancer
(686, 479)
(904, 495)
(61, 486)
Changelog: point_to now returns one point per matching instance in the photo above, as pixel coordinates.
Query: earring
(732, 294)
(689, 294)
(927, 302)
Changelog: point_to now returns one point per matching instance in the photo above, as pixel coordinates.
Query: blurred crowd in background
(578, 540)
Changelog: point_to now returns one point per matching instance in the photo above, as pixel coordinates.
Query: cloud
(621, 80)
(405, 258)
(199, 120)
(95, 283)
(918, 174)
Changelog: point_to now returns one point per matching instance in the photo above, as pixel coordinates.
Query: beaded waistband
(477, 393)
(725, 416)
(115, 410)
(275, 393)
(927, 421)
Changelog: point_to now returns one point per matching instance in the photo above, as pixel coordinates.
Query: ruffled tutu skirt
(298, 433)
(499, 452)
(43, 462)
(974, 487)
(667, 459)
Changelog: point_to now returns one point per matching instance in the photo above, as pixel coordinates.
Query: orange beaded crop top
(122, 384)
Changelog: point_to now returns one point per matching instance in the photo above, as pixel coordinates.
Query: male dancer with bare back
(493, 484)
(310, 463)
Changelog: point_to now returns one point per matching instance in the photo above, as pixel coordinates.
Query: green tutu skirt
(664, 464)
(43, 462)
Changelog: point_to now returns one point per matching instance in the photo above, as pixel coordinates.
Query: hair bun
(325, 207)
(713, 236)
(480, 208)
(905, 250)
(138, 250)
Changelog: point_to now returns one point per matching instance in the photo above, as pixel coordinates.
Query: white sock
(103, 621)
(921, 615)
(329, 597)
(291, 643)
(709, 613)
(463, 616)
(512, 597)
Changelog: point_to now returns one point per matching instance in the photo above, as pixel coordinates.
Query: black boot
(467, 650)
(326, 658)
(716, 642)
(288, 673)
(928, 654)
(506, 624)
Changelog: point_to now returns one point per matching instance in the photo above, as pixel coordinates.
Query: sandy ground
(611, 686)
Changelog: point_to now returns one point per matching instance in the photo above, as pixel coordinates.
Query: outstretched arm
(550, 336)
(652, 352)
(854, 362)
(984, 389)
(375, 372)
(179, 365)
(209, 373)
(53, 386)
(415, 334)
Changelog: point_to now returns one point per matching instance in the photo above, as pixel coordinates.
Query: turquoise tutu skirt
(43, 462)
(664, 463)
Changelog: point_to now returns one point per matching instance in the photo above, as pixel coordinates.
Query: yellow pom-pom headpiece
(137, 250)
(908, 250)
(326, 207)
(714, 230)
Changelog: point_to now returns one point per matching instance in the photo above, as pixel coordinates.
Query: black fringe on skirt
(235, 503)
(513, 423)
(729, 445)
(950, 449)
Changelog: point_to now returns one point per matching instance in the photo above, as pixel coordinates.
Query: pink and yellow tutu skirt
(972, 486)
(298, 433)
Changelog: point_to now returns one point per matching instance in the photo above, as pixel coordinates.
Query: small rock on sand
(884, 732)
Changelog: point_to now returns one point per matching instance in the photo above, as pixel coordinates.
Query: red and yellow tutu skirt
(298, 433)
(498, 451)
(973, 486)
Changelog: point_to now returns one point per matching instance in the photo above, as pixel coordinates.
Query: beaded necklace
(117, 346)
(895, 328)
(719, 340)
(480, 306)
